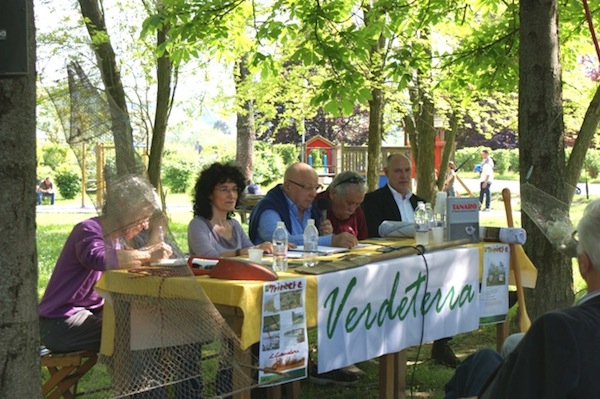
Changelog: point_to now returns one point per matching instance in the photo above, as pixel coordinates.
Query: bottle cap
(280, 224)
(310, 221)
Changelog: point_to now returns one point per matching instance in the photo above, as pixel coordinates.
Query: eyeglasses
(225, 190)
(307, 187)
(351, 180)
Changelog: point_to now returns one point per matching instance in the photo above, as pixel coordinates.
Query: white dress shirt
(407, 213)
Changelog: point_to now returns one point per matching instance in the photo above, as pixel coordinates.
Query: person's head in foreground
(346, 192)
(300, 184)
(130, 204)
(219, 189)
(398, 171)
(588, 248)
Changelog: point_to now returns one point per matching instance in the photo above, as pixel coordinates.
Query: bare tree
(164, 103)
(93, 16)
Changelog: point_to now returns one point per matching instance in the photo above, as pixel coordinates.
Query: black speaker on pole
(13, 38)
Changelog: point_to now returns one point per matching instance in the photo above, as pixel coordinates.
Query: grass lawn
(424, 378)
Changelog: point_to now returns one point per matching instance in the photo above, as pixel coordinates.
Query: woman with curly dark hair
(213, 232)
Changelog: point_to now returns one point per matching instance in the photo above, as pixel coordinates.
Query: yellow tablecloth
(243, 294)
(247, 295)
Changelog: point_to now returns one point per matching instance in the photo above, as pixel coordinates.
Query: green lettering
(333, 313)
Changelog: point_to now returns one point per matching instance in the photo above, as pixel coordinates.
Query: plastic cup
(255, 255)
(438, 234)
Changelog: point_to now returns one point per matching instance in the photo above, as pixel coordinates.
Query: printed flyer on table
(283, 351)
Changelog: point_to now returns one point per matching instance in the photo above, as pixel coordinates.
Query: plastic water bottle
(280, 247)
(430, 219)
(421, 224)
(311, 244)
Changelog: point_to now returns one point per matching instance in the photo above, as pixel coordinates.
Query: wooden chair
(65, 371)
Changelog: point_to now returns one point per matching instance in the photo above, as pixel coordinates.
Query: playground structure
(338, 158)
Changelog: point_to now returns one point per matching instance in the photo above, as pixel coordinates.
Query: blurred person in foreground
(395, 201)
(71, 311)
(559, 357)
(292, 203)
(343, 198)
(213, 232)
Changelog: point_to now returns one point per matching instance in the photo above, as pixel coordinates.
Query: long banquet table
(240, 301)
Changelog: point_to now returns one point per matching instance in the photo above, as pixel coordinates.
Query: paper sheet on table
(171, 262)
(392, 228)
(323, 250)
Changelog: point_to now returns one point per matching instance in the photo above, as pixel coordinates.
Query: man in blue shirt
(292, 203)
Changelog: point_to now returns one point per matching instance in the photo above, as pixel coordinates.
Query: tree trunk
(376, 104)
(448, 151)
(105, 55)
(541, 145)
(375, 133)
(19, 329)
(584, 139)
(246, 133)
(164, 96)
(426, 137)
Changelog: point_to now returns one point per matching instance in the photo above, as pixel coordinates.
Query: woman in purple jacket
(71, 311)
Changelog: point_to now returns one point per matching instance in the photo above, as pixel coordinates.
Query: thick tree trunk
(541, 145)
(19, 333)
(246, 133)
(426, 136)
(96, 26)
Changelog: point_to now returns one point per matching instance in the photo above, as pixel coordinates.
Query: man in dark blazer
(395, 201)
(559, 357)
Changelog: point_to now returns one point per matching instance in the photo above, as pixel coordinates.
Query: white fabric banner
(384, 307)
